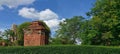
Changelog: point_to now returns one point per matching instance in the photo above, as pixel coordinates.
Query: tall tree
(8, 33)
(106, 22)
(1, 35)
(9, 36)
(69, 30)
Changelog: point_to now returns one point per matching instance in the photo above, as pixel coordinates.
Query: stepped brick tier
(36, 34)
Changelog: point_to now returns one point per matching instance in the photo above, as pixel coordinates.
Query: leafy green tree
(105, 22)
(20, 32)
(1, 35)
(69, 30)
(8, 34)
(55, 41)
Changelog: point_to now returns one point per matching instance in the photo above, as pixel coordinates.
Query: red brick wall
(35, 40)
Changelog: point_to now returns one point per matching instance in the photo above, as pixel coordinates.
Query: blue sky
(50, 11)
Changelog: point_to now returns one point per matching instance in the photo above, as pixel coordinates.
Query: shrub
(60, 50)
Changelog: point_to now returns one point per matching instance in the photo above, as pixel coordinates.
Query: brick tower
(36, 34)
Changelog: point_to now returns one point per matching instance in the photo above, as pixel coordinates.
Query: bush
(60, 50)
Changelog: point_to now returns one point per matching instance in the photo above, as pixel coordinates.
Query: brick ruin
(36, 34)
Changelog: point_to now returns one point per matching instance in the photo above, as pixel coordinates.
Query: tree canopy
(101, 29)
(105, 19)
(69, 30)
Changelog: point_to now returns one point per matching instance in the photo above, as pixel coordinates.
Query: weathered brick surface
(33, 37)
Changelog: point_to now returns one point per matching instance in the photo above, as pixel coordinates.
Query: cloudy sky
(50, 11)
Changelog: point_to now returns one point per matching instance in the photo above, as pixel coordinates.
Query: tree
(69, 30)
(0, 35)
(20, 32)
(9, 36)
(105, 22)
(55, 41)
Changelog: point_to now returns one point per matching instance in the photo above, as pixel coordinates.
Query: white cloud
(47, 15)
(14, 3)
(53, 23)
(28, 13)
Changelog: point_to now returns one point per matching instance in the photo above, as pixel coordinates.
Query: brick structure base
(35, 35)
